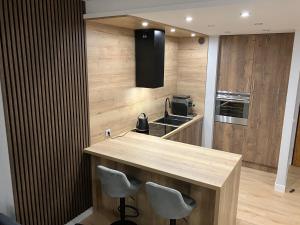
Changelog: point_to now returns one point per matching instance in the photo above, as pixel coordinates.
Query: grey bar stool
(169, 203)
(117, 185)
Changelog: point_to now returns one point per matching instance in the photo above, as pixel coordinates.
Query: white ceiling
(211, 17)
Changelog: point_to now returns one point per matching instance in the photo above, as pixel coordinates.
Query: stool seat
(117, 185)
(189, 201)
(169, 203)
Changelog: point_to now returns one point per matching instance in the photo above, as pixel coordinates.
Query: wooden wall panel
(44, 84)
(115, 102)
(192, 66)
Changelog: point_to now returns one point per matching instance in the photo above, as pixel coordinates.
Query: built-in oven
(232, 107)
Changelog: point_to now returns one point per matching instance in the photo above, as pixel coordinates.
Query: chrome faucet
(166, 110)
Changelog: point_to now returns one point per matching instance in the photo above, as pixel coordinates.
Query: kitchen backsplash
(114, 101)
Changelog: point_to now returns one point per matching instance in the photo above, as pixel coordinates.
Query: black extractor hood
(149, 57)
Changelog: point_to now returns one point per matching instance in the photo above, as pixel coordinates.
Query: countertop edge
(197, 183)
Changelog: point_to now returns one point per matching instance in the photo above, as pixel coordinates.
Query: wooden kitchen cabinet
(235, 63)
(191, 134)
(266, 81)
(229, 137)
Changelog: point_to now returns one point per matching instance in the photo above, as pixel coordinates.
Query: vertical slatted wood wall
(44, 80)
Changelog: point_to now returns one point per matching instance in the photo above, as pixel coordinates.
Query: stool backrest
(114, 183)
(167, 202)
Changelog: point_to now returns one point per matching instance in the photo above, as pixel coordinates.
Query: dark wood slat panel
(8, 108)
(57, 52)
(43, 74)
(65, 113)
(25, 116)
(40, 109)
(15, 113)
(35, 108)
(53, 115)
(29, 127)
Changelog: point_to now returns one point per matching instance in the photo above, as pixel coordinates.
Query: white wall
(290, 118)
(6, 192)
(211, 83)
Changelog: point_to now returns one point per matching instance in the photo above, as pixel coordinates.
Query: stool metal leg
(172, 222)
(122, 209)
(122, 220)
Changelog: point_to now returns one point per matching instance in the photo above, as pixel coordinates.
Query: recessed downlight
(188, 19)
(172, 30)
(245, 14)
(145, 24)
(193, 35)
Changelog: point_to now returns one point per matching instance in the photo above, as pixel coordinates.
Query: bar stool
(169, 203)
(117, 185)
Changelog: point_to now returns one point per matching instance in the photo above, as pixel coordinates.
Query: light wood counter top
(193, 164)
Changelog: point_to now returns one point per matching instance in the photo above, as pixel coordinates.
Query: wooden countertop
(197, 165)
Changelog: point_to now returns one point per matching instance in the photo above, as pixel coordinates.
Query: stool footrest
(125, 222)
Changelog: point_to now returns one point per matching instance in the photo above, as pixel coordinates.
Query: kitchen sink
(173, 120)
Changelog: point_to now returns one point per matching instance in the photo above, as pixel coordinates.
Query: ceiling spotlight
(245, 14)
(193, 35)
(173, 30)
(188, 19)
(145, 24)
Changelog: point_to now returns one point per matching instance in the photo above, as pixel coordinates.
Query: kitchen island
(209, 176)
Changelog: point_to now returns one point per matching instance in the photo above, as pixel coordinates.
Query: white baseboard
(279, 188)
(81, 217)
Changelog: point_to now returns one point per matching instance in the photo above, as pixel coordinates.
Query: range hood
(150, 57)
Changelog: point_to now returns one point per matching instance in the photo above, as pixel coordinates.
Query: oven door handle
(233, 100)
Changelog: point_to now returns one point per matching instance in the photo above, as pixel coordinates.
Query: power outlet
(108, 133)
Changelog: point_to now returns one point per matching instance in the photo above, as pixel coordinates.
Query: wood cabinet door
(235, 63)
(189, 135)
(272, 60)
(229, 137)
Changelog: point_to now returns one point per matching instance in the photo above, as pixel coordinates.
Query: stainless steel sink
(173, 120)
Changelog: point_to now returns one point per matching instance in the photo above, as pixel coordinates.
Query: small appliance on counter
(142, 124)
(182, 105)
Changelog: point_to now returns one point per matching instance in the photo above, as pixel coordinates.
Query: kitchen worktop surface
(193, 164)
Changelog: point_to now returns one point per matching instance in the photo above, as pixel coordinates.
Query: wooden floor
(259, 204)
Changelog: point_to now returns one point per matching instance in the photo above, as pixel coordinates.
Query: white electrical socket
(107, 132)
